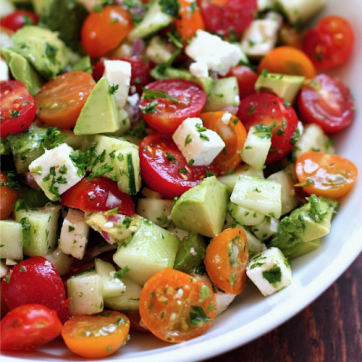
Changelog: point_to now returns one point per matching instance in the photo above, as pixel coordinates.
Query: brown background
(329, 330)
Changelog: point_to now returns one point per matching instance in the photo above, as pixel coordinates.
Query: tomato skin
(96, 336)
(91, 196)
(101, 34)
(135, 320)
(189, 20)
(28, 327)
(246, 78)
(169, 115)
(330, 43)
(162, 175)
(221, 16)
(35, 280)
(17, 107)
(8, 197)
(327, 102)
(332, 175)
(18, 19)
(267, 108)
(161, 300)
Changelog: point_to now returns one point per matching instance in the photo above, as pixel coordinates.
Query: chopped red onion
(113, 201)
(31, 181)
(231, 109)
(214, 75)
(114, 218)
(138, 47)
(106, 235)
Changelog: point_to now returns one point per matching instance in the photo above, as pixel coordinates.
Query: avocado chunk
(191, 254)
(283, 85)
(100, 113)
(203, 208)
(33, 198)
(42, 48)
(83, 65)
(5, 149)
(22, 70)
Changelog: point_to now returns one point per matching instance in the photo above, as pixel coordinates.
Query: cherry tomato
(140, 73)
(226, 260)
(60, 101)
(135, 320)
(164, 169)
(165, 115)
(233, 134)
(330, 43)
(246, 78)
(327, 102)
(177, 307)
(267, 109)
(18, 19)
(222, 16)
(189, 19)
(4, 309)
(28, 327)
(17, 107)
(96, 336)
(98, 194)
(104, 30)
(8, 197)
(325, 175)
(287, 60)
(35, 280)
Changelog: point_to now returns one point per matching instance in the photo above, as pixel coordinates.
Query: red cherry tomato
(268, 109)
(164, 169)
(35, 280)
(140, 73)
(246, 78)
(17, 107)
(98, 194)
(330, 43)
(221, 16)
(164, 114)
(28, 327)
(327, 102)
(18, 19)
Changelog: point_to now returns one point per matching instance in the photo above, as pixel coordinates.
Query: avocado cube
(11, 240)
(157, 211)
(202, 209)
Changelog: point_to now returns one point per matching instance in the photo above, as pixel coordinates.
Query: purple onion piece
(138, 47)
(106, 235)
(114, 218)
(231, 109)
(214, 75)
(31, 181)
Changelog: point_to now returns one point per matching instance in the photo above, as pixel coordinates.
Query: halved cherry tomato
(164, 114)
(60, 101)
(28, 327)
(104, 30)
(176, 307)
(17, 107)
(327, 102)
(135, 320)
(330, 43)
(98, 194)
(164, 169)
(267, 109)
(96, 336)
(8, 197)
(222, 16)
(246, 78)
(234, 136)
(189, 19)
(325, 175)
(287, 60)
(18, 19)
(35, 280)
(226, 260)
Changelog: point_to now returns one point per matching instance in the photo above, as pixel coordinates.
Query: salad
(158, 157)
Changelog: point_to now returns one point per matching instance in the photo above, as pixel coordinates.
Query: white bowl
(251, 315)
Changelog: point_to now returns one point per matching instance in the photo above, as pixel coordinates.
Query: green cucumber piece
(244, 216)
(158, 211)
(11, 237)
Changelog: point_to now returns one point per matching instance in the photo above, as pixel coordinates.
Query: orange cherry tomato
(234, 136)
(226, 260)
(325, 175)
(60, 101)
(135, 320)
(290, 36)
(8, 197)
(96, 336)
(176, 307)
(102, 31)
(190, 19)
(287, 60)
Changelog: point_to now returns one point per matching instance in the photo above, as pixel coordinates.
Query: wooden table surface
(329, 330)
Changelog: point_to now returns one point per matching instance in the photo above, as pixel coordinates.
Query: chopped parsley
(209, 174)
(198, 315)
(274, 275)
(51, 52)
(120, 274)
(150, 94)
(264, 131)
(15, 114)
(171, 158)
(113, 88)
(170, 7)
(150, 108)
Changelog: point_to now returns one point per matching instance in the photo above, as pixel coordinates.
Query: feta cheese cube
(74, 234)
(118, 73)
(226, 117)
(270, 271)
(199, 70)
(4, 70)
(219, 56)
(197, 143)
(55, 172)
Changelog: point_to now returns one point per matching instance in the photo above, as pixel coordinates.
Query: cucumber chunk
(244, 216)
(158, 211)
(11, 237)
(266, 229)
(62, 262)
